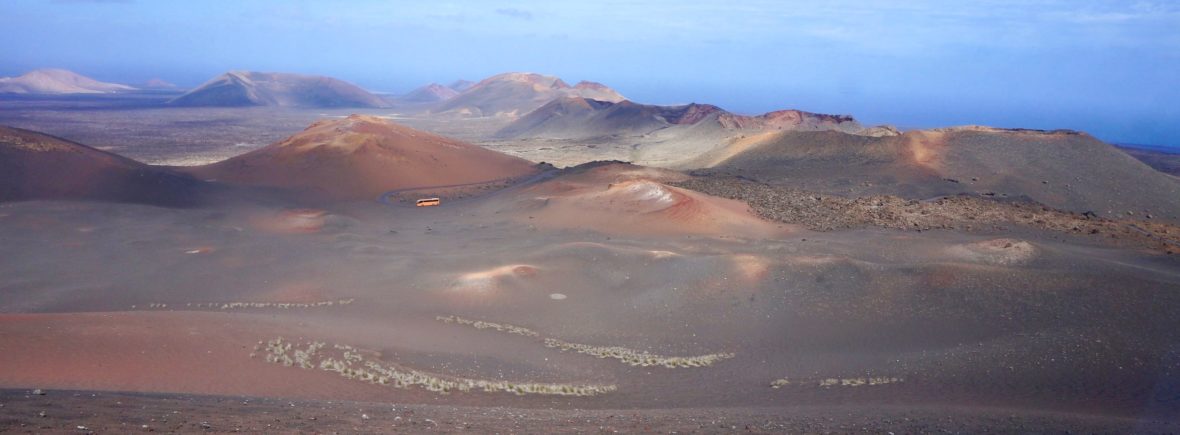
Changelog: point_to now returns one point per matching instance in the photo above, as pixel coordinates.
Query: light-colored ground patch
(998, 252)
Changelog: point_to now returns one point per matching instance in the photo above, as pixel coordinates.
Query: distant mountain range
(541, 107)
(578, 117)
(57, 81)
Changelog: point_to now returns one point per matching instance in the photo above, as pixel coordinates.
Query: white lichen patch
(627, 356)
(255, 305)
(479, 324)
(638, 358)
(365, 366)
(837, 382)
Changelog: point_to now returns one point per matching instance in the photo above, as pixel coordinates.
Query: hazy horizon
(1107, 68)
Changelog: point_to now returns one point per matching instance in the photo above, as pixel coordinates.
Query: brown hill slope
(247, 88)
(1064, 169)
(578, 117)
(515, 94)
(38, 166)
(663, 136)
(361, 157)
(57, 81)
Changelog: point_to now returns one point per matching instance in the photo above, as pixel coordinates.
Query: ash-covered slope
(247, 88)
(361, 157)
(1064, 169)
(515, 94)
(57, 81)
(39, 166)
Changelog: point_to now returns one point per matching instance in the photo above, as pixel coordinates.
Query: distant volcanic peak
(158, 83)
(435, 87)
(241, 75)
(75, 79)
(430, 93)
(361, 157)
(57, 81)
(355, 132)
(544, 83)
(792, 114)
(534, 79)
(597, 91)
(461, 85)
(249, 88)
(690, 113)
(584, 84)
(786, 120)
(255, 77)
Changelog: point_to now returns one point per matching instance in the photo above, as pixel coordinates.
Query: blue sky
(1108, 67)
